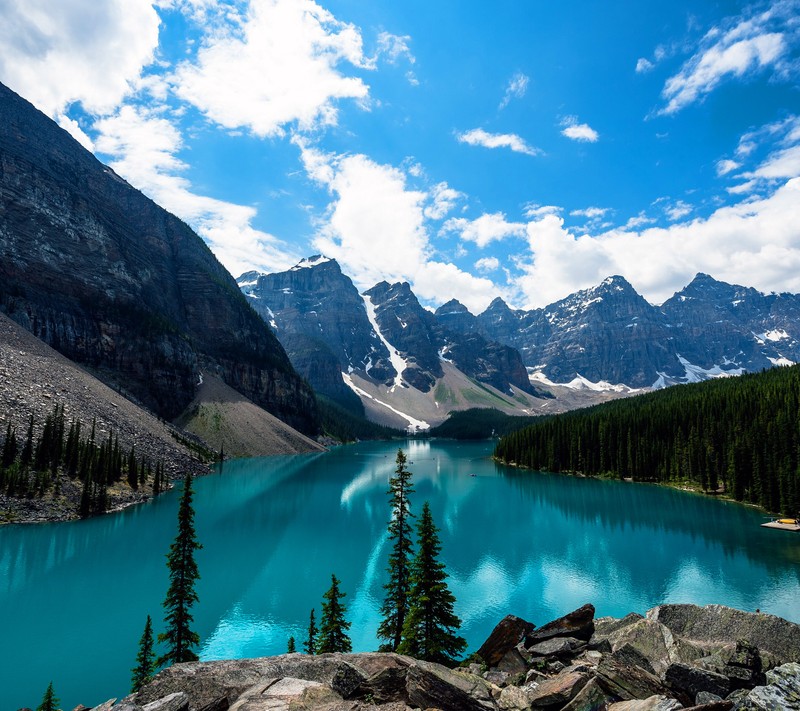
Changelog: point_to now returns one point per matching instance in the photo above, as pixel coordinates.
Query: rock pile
(712, 658)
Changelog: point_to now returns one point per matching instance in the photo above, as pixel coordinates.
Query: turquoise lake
(74, 597)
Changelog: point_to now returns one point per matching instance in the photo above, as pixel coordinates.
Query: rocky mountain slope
(677, 657)
(117, 284)
(381, 350)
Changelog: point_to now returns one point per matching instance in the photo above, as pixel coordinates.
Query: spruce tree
(310, 645)
(49, 700)
(181, 595)
(145, 659)
(430, 631)
(395, 605)
(290, 648)
(333, 626)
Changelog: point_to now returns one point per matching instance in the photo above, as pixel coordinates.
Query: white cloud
(276, 66)
(144, 148)
(643, 65)
(743, 45)
(485, 229)
(443, 200)
(726, 166)
(479, 137)
(487, 264)
(578, 131)
(533, 209)
(56, 53)
(393, 47)
(756, 242)
(590, 212)
(375, 228)
(516, 88)
(677, 210)
(637, 221)
(73, 129)
(781, 164)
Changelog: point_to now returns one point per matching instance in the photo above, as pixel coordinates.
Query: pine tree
(145, 659)
(49, 700)
(333, 626)
(290, 648)
(395, 605)
(430, 631)
(310, 645)
(27, 450)
(181, 594)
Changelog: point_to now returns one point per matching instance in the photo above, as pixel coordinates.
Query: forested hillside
(737, 435)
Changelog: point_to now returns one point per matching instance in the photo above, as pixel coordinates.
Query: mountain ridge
(114, 282)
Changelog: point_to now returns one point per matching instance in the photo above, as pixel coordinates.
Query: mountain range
(409, 365)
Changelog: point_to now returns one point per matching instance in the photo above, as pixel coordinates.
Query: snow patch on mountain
(696, 374)
(414, 425)
(580, 383)
(398, 362)
(309, 262)
(781, 361)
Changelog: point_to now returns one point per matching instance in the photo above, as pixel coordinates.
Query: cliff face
(116, 283)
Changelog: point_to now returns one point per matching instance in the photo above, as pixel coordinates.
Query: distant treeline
(738, 434)
(347, 427)
(32, 466)
(480, 423)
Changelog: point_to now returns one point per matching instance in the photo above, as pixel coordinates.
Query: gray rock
(590, 698)
(346, 680)
(629, 683)
(725, 625)
(559, 690)
(506, 635)
(178, 701)
(781, 692)
(691, 681)
(745, 667)
(514, 661)
(651, 703)
(578, 623)
(499, 678)
(556, 647)
(105, 706)
(722, 705)
(706, 697)
(434, 686)
(220, 704)
(628, 655)
(604, 626)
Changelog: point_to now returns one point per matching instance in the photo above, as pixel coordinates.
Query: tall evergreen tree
(290, 647)
(395, 605)
(145, 659)
(431, 628)
(49, 700)
(27, 449)
(310, 645)
(181, 594)
(333, 626)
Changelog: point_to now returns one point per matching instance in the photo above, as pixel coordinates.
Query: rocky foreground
(676, 657)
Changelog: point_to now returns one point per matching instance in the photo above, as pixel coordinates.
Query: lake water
(74, 597)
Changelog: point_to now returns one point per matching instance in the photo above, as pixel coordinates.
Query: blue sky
(518, 149)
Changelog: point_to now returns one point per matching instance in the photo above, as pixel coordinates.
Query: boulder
(178, 701)
(578, 623)
(689, 680)
(431, 685)
(516, 698)
(781, 692)
(515, 661)
(745, 668)
(105, 706)
(651, 703)
(590, 698)
(555, 647)
(706, 697)
(655, 642)
(629, 683)
(220, 704)
(721, 705)
(507, 634)
(628, 655)
(283, 694)
(498, 678)
(725, 625)
(604, 626)
(559, 690)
